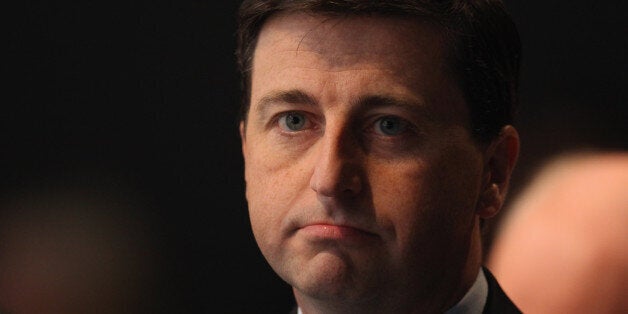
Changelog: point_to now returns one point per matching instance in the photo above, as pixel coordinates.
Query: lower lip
(336, 233)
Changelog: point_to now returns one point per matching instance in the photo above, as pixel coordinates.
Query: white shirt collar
(472, 302)
(475, 299)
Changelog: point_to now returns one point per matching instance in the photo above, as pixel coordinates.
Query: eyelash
(309, 121)
(377, 123)
(311, 124)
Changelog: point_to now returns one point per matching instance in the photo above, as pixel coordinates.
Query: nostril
(336, 184)
(354, 185)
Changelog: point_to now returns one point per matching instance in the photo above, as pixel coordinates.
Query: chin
(330, 275)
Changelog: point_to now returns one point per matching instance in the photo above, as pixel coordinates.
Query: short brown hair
(483, 42)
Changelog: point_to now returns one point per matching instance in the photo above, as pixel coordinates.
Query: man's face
(362, 178)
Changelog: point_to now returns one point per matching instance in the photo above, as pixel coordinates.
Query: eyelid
(403, 125)
(408, 125)
(311, 121)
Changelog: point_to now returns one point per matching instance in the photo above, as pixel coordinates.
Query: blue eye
(390, 126)
(292, 121)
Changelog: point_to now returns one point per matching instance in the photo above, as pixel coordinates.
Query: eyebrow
(374, 101)
(293, 96)
(414, 107)
(361, 104)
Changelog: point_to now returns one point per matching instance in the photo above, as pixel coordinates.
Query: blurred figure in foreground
(73, 250)
(563, 248)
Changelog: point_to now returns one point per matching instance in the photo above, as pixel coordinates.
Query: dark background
(137, 102)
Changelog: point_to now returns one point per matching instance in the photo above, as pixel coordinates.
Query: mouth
(317, 232)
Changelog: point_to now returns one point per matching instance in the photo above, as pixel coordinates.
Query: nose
(337, 166)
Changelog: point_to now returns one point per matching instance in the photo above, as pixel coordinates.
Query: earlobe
(491, 201)
(501, 157)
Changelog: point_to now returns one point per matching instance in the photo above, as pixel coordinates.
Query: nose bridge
(336, 167)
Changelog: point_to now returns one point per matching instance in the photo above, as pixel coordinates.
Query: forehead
(378, 55)
(345, 40)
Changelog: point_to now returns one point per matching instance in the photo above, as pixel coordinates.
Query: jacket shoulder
(497, 301)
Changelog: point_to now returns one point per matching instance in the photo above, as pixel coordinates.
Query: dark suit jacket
(497, 302)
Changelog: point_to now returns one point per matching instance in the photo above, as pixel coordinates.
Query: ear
(499, 162)
(242, 129)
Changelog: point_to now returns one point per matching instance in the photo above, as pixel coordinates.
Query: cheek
(272, 186)
(263, 193)
(456, 185)
(262, 172)
(430, 199)
(265, 214)
(271, 179)
(401, 199)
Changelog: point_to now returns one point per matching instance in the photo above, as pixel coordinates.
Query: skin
(358, 217)
(563, 246)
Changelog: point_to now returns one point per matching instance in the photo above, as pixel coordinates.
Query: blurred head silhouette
(563, 248)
